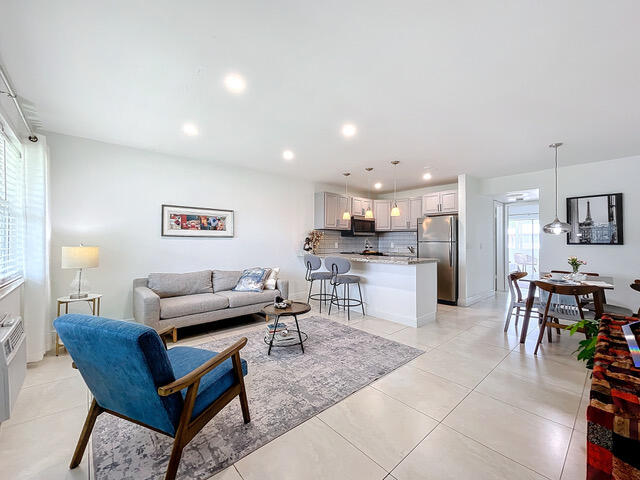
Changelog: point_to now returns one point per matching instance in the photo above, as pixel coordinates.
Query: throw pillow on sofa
(270, 282)
(252, 280)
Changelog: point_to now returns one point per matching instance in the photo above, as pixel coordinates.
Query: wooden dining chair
(515, 299)
(556, 311)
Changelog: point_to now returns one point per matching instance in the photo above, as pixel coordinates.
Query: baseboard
(467, 302)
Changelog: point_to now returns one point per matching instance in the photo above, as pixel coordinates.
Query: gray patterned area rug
(284, 389)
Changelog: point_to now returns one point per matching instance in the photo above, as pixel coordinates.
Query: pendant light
(346, 215)
(395, 211)
(556, 227)
(368, 212)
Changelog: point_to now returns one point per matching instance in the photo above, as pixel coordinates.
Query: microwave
(360, 227)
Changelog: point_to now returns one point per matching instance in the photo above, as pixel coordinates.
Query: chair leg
(174, 460)
(543, 327)
(509, 314)
(517, 315)
(361, 301)
(310, 287)
(346, 300)
(89, 422)
(321, 296)
(333, 292)
(244, 403)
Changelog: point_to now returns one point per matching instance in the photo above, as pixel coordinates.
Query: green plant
(587, 347)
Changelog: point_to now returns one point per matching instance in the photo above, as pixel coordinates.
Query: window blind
(12, 213)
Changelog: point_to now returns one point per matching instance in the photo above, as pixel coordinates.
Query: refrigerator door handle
(450, 255)
(451, 229)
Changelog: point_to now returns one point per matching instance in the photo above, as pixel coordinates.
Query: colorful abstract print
(197, 222)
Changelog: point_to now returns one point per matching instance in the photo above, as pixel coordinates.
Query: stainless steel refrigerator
(438, 238)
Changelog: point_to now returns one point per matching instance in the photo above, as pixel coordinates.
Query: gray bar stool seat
(339, 268)
(313, 263)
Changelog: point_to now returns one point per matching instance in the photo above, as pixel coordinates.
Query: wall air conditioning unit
(13, 361)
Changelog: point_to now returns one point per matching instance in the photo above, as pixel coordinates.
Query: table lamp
(79, 258)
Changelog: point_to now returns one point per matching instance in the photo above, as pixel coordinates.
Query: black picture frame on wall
(595, 220)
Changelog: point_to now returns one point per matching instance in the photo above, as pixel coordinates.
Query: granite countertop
(388, 259)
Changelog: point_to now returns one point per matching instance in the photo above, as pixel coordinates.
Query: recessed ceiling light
(190, 129)
(377, 186)
(427, 176)
(349, 130)
(288, 155)
(235, 83)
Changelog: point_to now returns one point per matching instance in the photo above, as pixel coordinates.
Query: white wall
(111, 196)
(475, 241)
(610, 176)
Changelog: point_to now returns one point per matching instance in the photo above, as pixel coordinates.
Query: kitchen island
(401, 289)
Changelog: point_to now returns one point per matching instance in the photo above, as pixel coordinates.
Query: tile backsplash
(400, 241)
(382, 242)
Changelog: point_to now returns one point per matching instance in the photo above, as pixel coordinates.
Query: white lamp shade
(79, 257)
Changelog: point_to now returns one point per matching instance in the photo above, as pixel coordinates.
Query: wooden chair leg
(174, 460)
(509, 314)
(244, 403)
(89, 422)
(517, 315)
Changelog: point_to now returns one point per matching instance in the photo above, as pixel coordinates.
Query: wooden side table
(93, 299)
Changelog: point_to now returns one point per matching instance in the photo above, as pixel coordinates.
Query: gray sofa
(183, 299)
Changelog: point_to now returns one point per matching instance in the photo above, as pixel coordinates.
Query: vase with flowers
(576, 263)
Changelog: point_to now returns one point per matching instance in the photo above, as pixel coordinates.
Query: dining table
(603, 282)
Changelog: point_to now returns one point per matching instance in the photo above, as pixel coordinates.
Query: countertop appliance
(360, 227)
(13, 362)
(438, 238)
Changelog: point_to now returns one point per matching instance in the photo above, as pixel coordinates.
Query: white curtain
(37, 289)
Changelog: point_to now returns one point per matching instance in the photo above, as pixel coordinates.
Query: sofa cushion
(179, 284)
(225, 279)
(213, 384)
(173, 307)
(240, 299)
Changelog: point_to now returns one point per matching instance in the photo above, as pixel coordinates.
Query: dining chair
(515, 299)
(562, 302)
(132, 375)
(607, 308)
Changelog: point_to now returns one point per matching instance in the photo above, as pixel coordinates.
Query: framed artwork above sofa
(181, 221)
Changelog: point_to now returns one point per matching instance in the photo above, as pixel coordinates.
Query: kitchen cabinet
(382, 215)
(360, 205)
(415, 212)
(440, 202)
(402, 221)
(344, 205)
(449, 201)
(328, 210)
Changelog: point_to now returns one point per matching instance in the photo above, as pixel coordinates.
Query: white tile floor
(476, 404)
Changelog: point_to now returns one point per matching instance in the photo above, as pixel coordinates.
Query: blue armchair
(133, 376)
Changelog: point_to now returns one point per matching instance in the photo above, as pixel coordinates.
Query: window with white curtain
(12, 212)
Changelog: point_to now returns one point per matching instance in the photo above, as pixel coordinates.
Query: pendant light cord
(556, 181)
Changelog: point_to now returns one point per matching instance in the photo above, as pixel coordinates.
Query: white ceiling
(477, 87)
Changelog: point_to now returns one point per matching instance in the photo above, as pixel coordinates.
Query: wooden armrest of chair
(195, 375)
(166, 331)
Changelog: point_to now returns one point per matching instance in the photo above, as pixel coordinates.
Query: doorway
(523, 237)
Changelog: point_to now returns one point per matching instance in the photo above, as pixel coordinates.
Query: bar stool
(313, 263)
(339, 267)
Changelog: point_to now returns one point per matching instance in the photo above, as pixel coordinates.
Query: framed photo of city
(180, 221)
(595, 220)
